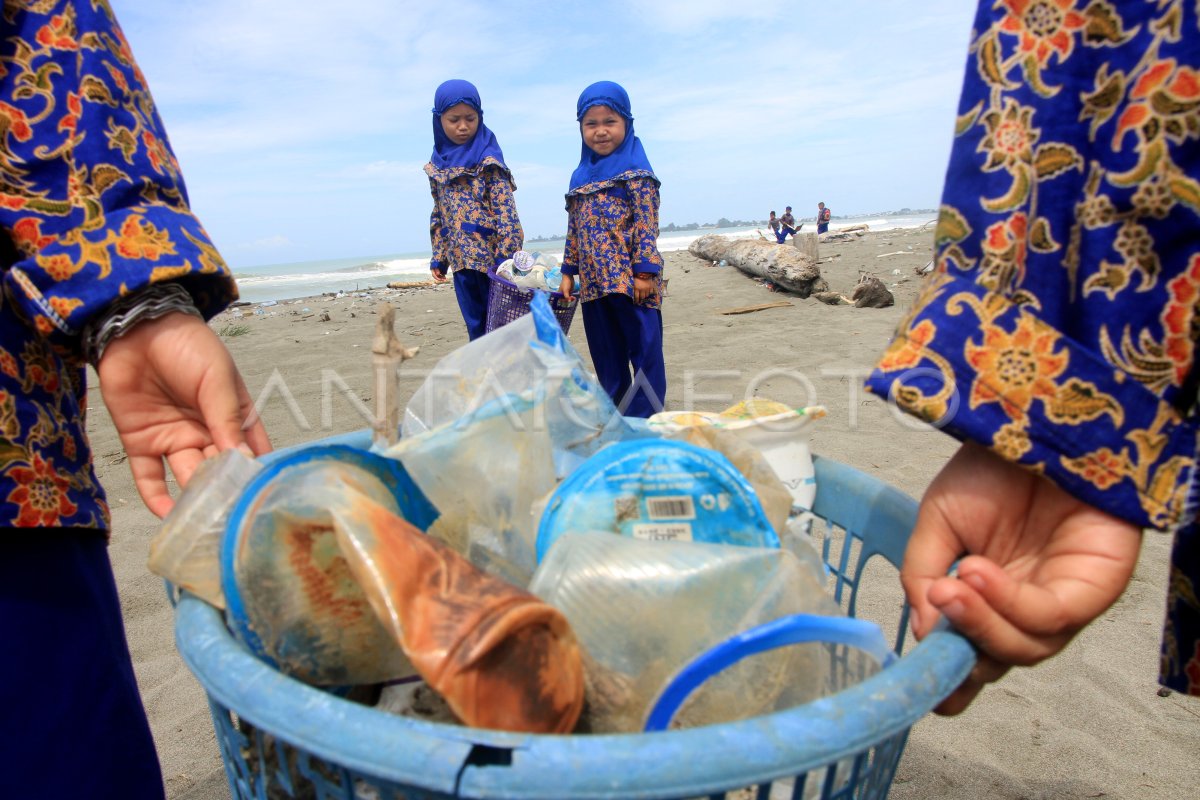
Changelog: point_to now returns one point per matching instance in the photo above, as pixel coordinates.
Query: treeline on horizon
(671, 227)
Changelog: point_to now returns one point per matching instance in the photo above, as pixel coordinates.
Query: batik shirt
(1060, 325)
(612, 233)
(474, 224)
(92, 207)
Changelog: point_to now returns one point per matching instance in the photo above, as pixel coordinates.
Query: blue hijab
(629, 156)
(447, 154)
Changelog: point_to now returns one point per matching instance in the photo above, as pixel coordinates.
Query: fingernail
(953, 610)
(975, 581)
(245, 450)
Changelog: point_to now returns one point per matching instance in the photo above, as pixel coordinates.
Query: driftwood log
(786, 267)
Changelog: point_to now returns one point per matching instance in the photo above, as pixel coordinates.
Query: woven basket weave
(508, 302)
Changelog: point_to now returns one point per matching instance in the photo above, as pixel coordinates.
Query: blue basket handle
(795, 629)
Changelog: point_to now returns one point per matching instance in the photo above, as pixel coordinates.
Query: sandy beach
(1088, 724)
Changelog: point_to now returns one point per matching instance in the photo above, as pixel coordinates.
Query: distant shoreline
(723, 223)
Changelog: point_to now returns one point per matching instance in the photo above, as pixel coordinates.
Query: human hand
(566, 286)
(643, 288)
(1037, 564)
(439, 276)
(173, 392)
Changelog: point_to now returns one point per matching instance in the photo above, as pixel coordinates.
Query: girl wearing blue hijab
(474, 225)
(612, 232)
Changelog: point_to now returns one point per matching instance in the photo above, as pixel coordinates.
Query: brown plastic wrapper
(501, 657)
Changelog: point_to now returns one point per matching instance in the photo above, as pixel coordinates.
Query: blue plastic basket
(282, 738)
(508, 302)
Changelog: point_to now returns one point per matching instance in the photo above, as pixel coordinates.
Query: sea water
(306, 278)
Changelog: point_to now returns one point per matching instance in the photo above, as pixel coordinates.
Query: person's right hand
(1037, 564)
(566, 286)
(439, 275)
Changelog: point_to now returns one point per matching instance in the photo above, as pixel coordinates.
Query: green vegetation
(231, 330)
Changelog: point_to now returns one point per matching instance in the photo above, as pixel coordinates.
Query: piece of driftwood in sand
(387, 354)
(806, 243)
(786, 267)
(839, 236)
(830, 298)
(751, 309)
(409, 284)
(870, 292)
(862, 226)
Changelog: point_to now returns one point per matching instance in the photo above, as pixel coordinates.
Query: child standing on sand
(612, 232)
(474, 224)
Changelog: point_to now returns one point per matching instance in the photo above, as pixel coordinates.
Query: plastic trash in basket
(861, 635)
(339, 749)
(643, 610)
(499, 656)
(290, 593)
(187, 550)
(508, 302)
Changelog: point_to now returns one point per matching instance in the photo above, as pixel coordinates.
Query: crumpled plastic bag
(485, 471)
(530, 355)
(493, 428)
(187, 549)
(499, 656)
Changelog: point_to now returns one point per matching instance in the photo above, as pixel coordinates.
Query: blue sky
(302, 131)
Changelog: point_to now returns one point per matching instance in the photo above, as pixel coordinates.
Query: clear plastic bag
(531, 358)
(292, 597)
(497, 423)
(187, 550)
(485, 471)
(499, 656)
(643, 610)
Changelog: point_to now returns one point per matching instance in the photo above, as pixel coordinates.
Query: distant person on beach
(474, 224)
(612, 228)
(775, 228)
(104, 263)
(823, 217)
(789, 224)
(1057, 339)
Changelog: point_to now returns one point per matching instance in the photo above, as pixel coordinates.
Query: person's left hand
(1037, 565)
(173, 392)
(643, 288)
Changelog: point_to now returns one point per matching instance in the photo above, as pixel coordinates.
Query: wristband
(646, 275)
(119, 318)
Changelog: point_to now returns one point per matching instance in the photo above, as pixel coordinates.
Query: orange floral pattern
(1066, 306)
(1015, 369)
(474, 224)
(1044, 27)
(612, 232)
(78, 129)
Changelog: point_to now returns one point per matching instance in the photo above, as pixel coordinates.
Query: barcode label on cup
(676, 507)
(665, 532)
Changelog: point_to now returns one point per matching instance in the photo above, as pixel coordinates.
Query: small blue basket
(508, 302)
(282, 738)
